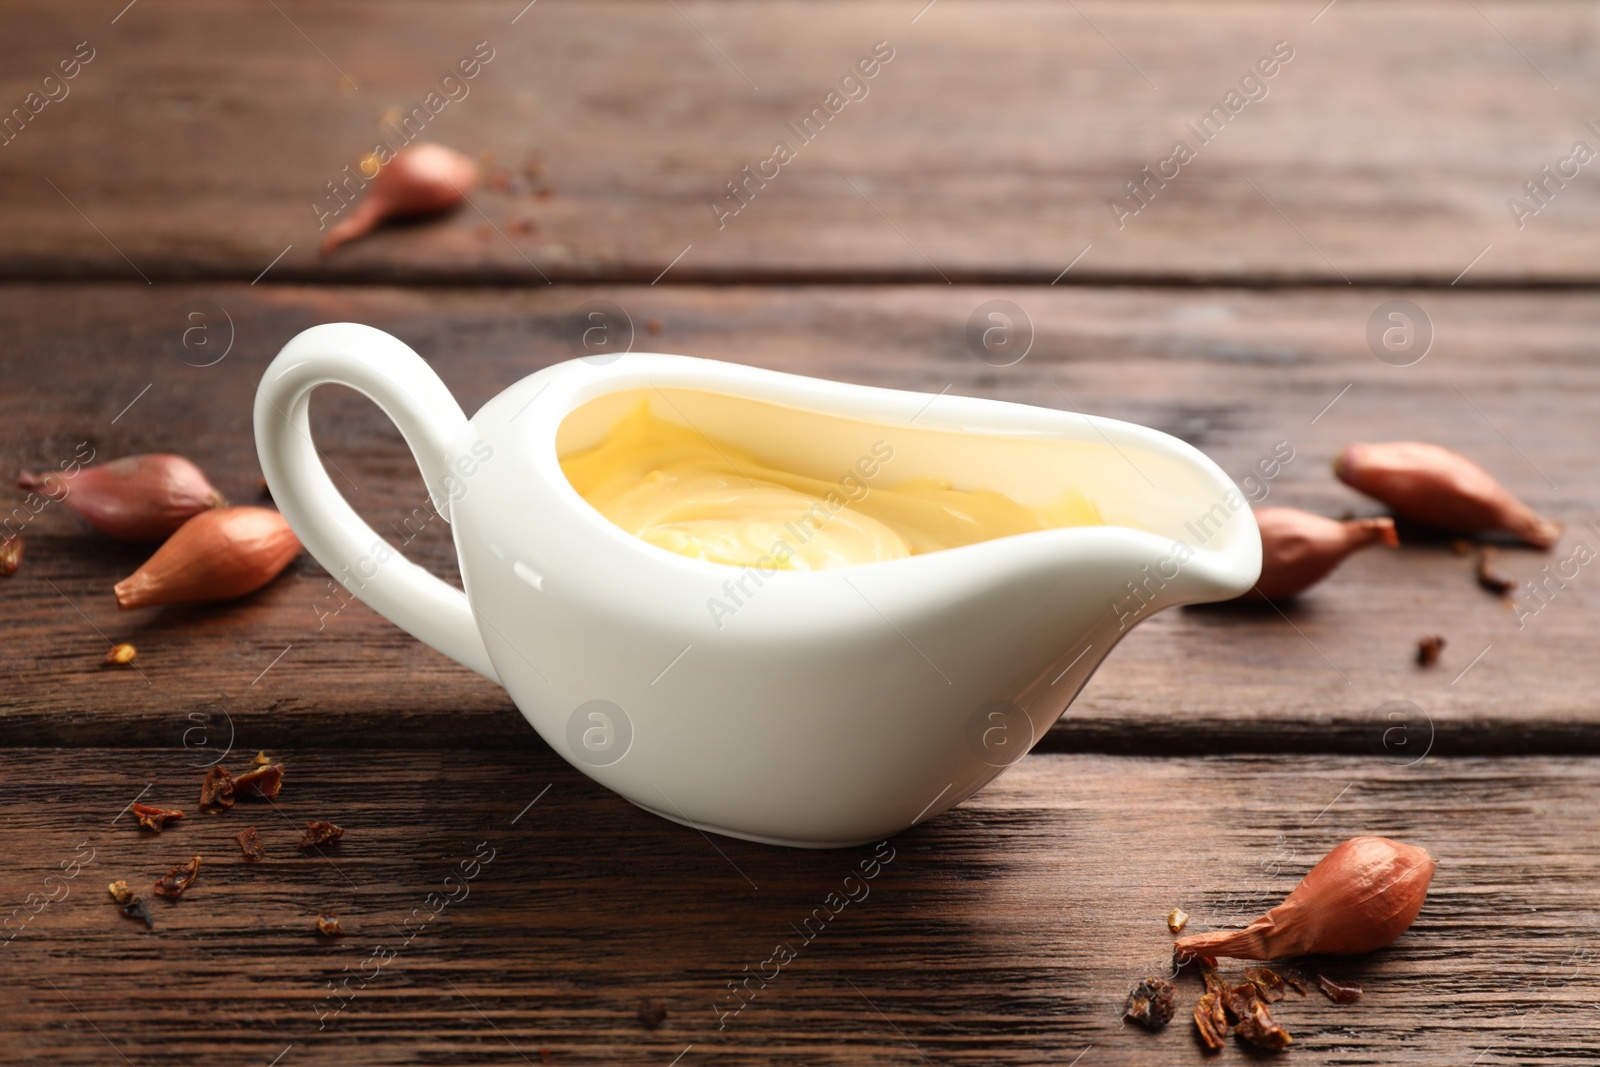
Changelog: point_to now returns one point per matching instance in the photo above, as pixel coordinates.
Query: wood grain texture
(197, 140)
(1006, 931)
(1233, 372)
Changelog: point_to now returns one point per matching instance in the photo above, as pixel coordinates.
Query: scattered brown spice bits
(1268, 984)
(121, 655)
(261, 759)
(1150, 1003)
(153, 818)
(652, 1013)
(181, 877)
(10, 556)
(264, 781)
(1339, 992)
(216, 789)
(1211, 1022)
(320, 833)
(654, 325)
(1491, 580)
(1461, 547)
(250, 845)
(328, 926)
(1428, 649)
(1294, 982)
(1244, 1008)
(132, 906)
(1258, 1028)
(521, 224)
(1177, 919)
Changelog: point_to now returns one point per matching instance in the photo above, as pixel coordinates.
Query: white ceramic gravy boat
(817, 709)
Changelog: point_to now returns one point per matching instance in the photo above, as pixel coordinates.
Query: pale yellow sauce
(676, 488)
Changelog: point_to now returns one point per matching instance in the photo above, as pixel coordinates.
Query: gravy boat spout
(810, 708)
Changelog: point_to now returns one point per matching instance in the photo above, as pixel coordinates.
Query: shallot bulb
(422, 179)
(1299, 549)
(135, 498)
(1438, 487)
(1357, 899)
(217, 555)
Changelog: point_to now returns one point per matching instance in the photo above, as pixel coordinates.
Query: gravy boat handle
(395, 378)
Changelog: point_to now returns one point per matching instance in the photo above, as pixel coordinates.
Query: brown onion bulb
(217, 555)
(1299, 549)
(1437, 487)
(135, 498)
(421, 179)
(1358, 898)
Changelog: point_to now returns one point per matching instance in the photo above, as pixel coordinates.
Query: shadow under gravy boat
(812, 708)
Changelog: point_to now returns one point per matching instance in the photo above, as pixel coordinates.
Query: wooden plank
(1509, 381)
(1006, 931)
(197, 140)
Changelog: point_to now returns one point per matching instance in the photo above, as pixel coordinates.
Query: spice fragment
(181, 877)
(264, 781)
(216, 789)
(1150, 1003)
(1489, 578)
(328, 926)
(10, 556)
(250, 845)
(136, 909)
(261, 760)
(1211, 1022)
(320, 833)
(1269, 986)
(1260, 1029)
(1339, 992)
(153, 818)
(1428, 649)
(119, 891)
(121, 655)
(1177, 919)
(1238, 1001)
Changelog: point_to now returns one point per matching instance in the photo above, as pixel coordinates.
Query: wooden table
(1213, 758)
